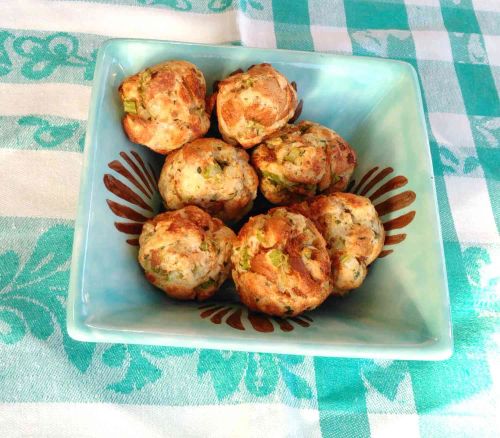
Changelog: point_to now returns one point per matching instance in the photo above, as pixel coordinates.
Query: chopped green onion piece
(212, 170)
(335, 179)
(276, 179)
(293, 155)
(345, 258)
(129, 106)
(289, 310)
(245, 259)
(204, 246)
(277, 257)
(210, 282)
(260, 236)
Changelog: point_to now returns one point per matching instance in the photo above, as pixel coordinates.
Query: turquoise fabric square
(291, 25)
(296, 12)
(341, 397)
(299, 39)
(479, 92)
(375, 15)
(460, 19)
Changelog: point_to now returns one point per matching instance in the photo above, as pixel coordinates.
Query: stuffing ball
(252, 105)
(280, 264)
(353, 232)
(165, 106)
(211, 174)
(301, 160)
(186, 253)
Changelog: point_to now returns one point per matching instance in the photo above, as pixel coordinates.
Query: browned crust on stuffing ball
(211, 174)
(165, 106)
(353, 232)
(254, 104)
(302, 160)
(186, 253)
(280, 264)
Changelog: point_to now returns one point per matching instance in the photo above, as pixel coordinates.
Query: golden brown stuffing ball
(165, 106)
(186, 253)
(252, 105)
(301, 160)
(353, 232)
(211, 174)
(280, 264)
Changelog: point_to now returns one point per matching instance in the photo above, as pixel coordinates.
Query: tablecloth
(53, 386)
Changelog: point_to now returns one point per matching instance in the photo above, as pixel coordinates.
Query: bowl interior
(401, 311)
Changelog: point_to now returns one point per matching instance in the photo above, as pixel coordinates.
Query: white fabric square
(492, 44)
(256, 33)
(471, 210)
(331, 39)
(486, 5)
(451, 129)
(391, 425)
(432, 44)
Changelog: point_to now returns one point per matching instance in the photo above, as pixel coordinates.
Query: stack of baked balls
(319, 241)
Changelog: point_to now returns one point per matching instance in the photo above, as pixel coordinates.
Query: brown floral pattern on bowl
(140, 190)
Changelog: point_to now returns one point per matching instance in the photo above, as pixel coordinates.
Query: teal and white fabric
(52, 386)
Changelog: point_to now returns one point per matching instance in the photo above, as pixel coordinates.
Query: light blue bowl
(402, 309)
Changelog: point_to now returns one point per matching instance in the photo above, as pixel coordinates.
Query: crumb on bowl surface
(253, 104)
(186, 253)
(211, 174)
(280, 264)
(165, 106)
(302, 160)
(353, 232)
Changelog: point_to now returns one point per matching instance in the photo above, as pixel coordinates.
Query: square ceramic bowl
(402, 309)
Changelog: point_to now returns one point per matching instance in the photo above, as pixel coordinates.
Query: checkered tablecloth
(52, 386)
